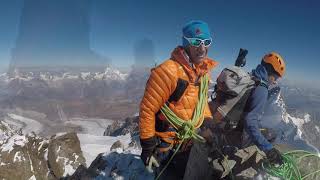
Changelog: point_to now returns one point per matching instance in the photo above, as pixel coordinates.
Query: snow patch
(307, 118)
(114, 74)
(46, 154)
(31, 164)
(68, 170)
(41, 144)
(18, 157)
(84, 75)
(60, 134)
(32, 178)
(15, 140)
(298, 122)
(75, 156)
(69, 76)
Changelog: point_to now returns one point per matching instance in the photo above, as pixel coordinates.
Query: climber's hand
(274, 156)
(152, 163)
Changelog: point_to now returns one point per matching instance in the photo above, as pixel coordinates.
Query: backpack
(233, 88)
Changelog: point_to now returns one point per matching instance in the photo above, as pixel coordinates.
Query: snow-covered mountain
(291, 129)
(109, 74)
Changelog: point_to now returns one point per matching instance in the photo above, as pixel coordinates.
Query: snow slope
(90, 126)
(27, 125)
(92, 145)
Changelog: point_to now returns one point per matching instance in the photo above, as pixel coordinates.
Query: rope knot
(186, 131)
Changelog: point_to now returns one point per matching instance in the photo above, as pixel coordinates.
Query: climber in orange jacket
(175, 82)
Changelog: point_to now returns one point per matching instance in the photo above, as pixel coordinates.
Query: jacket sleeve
(254, 112)
(159, 87)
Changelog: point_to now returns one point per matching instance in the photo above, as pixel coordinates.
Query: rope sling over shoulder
(186, 129)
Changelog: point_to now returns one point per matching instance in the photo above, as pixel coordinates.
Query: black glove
(147, 154)
(148, 147)
(274, 156)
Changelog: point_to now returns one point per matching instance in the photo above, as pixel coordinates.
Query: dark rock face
(131, 125)
(48, 38)
(112, 128)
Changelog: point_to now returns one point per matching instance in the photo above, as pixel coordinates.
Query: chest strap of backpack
(261, 82)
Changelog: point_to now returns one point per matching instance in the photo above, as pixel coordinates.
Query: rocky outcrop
(65, 155)
(30, 156)
(112, 128)
(130, 125)
(6, 131)
(22, 157)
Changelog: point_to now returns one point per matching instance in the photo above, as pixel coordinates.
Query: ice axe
(241, 59)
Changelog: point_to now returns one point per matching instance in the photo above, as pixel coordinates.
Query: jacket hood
(261, 73)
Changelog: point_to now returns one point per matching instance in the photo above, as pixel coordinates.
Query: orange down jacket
(162, 83)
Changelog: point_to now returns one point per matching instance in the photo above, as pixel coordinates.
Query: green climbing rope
(289, 170)
(186, 129)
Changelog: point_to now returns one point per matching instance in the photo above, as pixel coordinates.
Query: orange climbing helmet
(276, 61)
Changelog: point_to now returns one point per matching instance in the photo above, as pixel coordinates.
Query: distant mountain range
(83, 93)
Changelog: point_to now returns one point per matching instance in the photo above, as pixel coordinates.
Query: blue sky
(289, 27)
